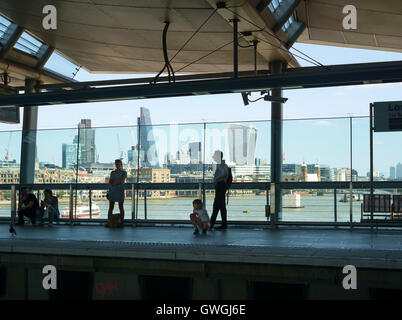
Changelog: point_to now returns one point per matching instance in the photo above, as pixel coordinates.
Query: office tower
(242, 143)
(326, 174)
(317, 171)
(87, 140)
(132, 156)
(195, 152)
(343, 174)
(69, 155)
(183, 156)
(392, 173)
(398, 171)
(148, 151)
(291, 169)
(169, 159)
(64, 155)
(304, 172)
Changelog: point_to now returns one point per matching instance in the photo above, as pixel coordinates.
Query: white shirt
(202, 214)
(221, 171)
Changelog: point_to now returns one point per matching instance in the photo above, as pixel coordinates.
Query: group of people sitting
(29, 207)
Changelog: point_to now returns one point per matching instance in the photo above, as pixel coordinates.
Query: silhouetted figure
(220, 180)
(51, 203)
(28, 206)
(116, 191)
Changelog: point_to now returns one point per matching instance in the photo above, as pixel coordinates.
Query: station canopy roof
(125, 36)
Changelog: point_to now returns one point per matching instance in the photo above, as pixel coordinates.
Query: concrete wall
(120, 278)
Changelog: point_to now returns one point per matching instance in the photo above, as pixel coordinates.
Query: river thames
(250, 208)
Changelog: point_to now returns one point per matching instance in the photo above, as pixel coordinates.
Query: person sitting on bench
(27, 206)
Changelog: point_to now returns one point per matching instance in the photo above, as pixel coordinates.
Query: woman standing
(116, 190)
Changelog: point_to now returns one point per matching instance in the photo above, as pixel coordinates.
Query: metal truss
(306, 77)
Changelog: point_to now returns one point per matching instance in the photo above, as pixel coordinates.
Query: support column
(235, 48)
(28, 143)
(276, 68)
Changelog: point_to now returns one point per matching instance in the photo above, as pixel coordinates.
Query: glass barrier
(56, 156)
(387, 153)
(308, 205)
(313, 150)
(5, 203)
(387, 156)
(10, 154)
(316, 150)
(245, 147)
(171, 153)
(170, 204)
(100, 147)
(348, 210)
(244, 205)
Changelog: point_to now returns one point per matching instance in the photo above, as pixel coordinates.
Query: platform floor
(287, 246)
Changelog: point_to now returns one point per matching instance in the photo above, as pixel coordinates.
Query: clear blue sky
(324, 141)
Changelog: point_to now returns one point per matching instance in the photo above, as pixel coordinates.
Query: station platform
(285, 246)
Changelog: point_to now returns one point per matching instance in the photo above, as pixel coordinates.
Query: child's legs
(205, 225)
(195, 220)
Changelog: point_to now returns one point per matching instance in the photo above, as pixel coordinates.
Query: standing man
(220, 181)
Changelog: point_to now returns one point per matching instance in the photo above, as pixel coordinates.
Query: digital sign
(388, 116)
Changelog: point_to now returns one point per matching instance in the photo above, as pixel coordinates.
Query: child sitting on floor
(199, 217)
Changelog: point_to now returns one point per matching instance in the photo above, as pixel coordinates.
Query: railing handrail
(190, 123)
(210, 185)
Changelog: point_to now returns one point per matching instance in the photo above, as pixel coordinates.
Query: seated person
(52, 204)
(199, 217)
(27, 206)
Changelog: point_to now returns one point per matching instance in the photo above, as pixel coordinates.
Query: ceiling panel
(375, 20)
(126, 35)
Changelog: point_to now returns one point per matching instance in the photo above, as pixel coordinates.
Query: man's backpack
(229, 182)
(230, 178)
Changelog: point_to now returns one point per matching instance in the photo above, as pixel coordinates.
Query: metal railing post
(71, 204)
(267, 198)
(371, 169)
(199, 192)
(273, 191)
(13, 203)
(335, 208)
(351, 175)
(145, 204)
(132, 204)
(204, 199)
(90, 203)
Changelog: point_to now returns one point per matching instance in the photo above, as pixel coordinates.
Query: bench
(381, 208)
